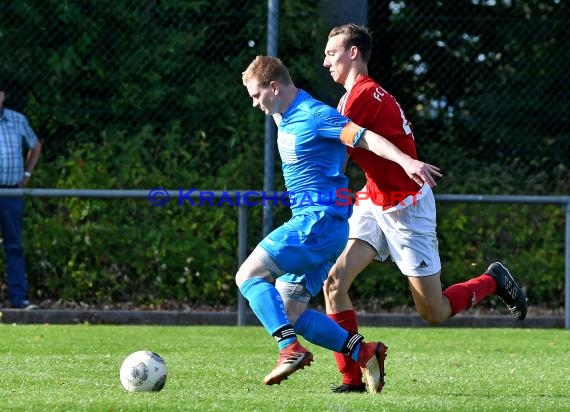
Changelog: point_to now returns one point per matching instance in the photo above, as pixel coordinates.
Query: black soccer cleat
(508, 290)
(346, 388)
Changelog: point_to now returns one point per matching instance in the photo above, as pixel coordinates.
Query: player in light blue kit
(290, 265)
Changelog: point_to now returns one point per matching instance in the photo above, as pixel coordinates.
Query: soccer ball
(143, 371)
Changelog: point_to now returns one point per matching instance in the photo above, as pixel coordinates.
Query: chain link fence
(483, 81)
(148, 93)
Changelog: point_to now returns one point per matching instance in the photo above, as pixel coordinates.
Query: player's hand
(421, 172)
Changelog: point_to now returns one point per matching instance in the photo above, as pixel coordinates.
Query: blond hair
(266, 69)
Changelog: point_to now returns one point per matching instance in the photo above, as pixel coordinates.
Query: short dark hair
(355, 35)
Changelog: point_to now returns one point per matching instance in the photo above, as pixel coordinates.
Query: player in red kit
(397, 218)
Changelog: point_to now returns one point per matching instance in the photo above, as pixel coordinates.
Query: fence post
(270, 128)
(567, 266)
(242, 255)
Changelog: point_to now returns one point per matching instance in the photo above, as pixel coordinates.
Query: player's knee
(432, 317)
(241, 276)
(329, 288)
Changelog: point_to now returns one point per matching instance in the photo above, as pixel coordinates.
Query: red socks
(350, 370)
(465, 295)
(461, 296)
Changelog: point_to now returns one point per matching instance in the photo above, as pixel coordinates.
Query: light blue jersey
(313, 155)
(299, 254)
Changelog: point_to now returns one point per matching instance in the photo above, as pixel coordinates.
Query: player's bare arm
(420, 172)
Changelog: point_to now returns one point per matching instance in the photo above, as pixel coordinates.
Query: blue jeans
(11, 222)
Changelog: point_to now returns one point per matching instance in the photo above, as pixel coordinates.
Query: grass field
(76, 368)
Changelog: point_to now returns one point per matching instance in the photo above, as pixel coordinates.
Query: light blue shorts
(306, 247)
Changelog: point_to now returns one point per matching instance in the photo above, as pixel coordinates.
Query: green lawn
(76, 368)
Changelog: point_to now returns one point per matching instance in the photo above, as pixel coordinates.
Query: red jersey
(373, 108)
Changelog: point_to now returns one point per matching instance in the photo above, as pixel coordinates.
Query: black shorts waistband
(8, 186)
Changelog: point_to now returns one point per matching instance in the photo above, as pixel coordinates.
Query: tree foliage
(148, 94)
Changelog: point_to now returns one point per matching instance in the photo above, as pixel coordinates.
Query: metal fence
(481, 80)
(242, 243)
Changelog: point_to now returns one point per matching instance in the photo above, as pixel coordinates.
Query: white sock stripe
(353, 341)
(288, 333)
(285, 334)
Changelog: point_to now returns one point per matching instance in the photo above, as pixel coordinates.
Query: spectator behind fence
(15, 172)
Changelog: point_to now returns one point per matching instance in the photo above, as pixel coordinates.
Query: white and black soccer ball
(143, 371)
